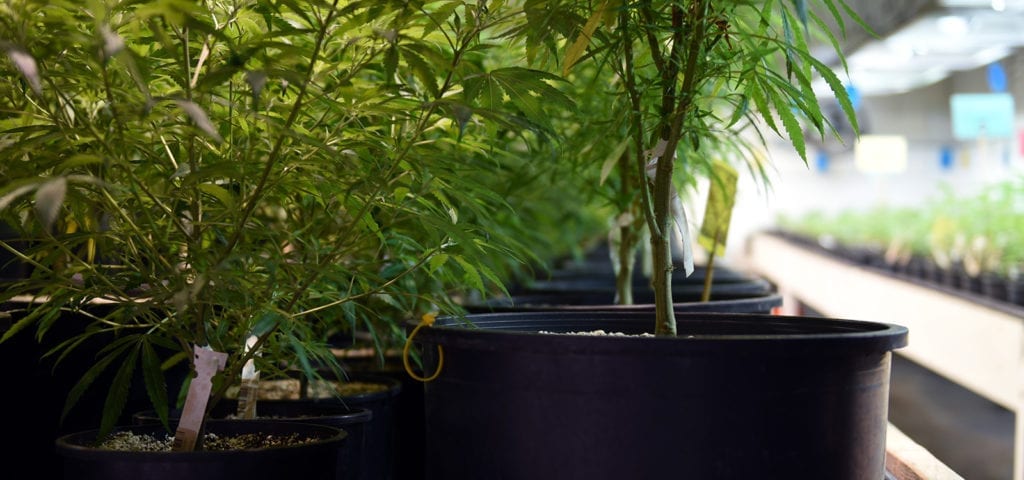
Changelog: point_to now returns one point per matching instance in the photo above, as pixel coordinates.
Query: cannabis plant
(250, 176)
(684, 84)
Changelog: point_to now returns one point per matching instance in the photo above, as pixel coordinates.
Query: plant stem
(709, 273)
(665, 322)
(627, 240)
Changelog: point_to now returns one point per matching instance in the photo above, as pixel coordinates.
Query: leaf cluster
(209, 171)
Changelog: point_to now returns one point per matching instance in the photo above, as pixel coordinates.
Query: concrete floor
(970, 434)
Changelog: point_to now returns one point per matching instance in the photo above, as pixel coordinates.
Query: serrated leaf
(390, 63)
(421, 69)
(801, 11)
(20, 325)
(300, 9)
(470, 275)
(740, 111)
(300, 353)
(831, 5)
(579, 46)
(526, 89)
(90, 376)
(832, 40)
(220, 193)
(490, 275)
(156, 387)
(791, 124)
(857, 18)
(267, 322)
(79, 160)
(838, 89)
(759, 97)
(49, 199)
(117, 394)
(440, 14)
(437, 261)
(613, 159)
(463, 114)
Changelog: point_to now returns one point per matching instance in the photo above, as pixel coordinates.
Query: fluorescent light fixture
(997, 5)
(966, 35)
(881, 154)
(953, 25)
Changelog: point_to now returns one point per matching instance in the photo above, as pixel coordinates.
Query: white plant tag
(678, 214)
(683, 230)
(207, 364)
(249, 389)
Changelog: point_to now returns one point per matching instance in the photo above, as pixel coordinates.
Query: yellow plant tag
(721, 198)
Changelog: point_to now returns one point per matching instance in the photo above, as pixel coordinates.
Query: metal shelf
(976, 344)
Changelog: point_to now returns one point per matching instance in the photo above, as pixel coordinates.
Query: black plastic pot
(381, 441)
(643, 293)
(352, 453)
(606, 270)
(407, 459)
(381, 432)
(589, 287)
(734, 396)
(316, 460)
(604, 301)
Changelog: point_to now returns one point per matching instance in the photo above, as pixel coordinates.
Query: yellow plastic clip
(426, 320)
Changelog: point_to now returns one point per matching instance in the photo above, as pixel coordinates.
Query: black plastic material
(733, 396)
(644, 293)
(352, 461)
(381, 432)
(603, 301)
(311, 461)
(605, 269)
(408, 409)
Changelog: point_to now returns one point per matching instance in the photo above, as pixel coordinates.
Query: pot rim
(534, 303)
(711, 333)
(78, 444)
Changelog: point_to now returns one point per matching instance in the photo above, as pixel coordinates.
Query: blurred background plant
(979, 234)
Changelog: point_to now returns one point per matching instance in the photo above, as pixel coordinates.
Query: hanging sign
(982, 115)
(881, 154)
(718, 212)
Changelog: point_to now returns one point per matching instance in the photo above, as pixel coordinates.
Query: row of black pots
(604, 270)
(590, 301)
(590, 285)
(364, 422)
(406, 456)
(39, 390)
(380, 457)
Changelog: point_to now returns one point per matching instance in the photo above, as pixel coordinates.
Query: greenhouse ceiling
(923, 42)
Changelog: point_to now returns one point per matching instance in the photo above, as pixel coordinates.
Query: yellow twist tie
(426, 320)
